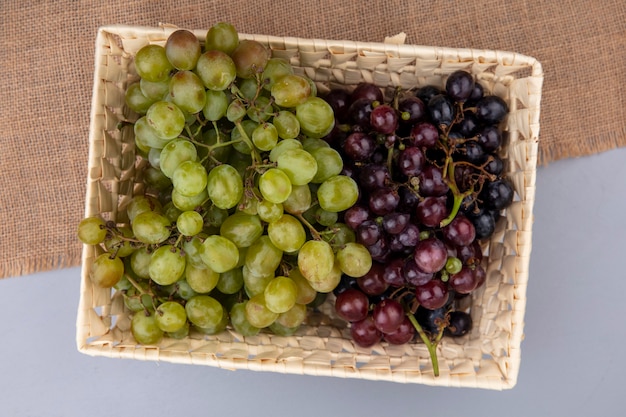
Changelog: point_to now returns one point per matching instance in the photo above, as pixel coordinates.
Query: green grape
(217, 327)
(341, 235)
(136, 100)
(453, 265)
(312, 85)
(310, 144)
(152, 64)
(155, 178)
(181, 333)
(280, 294)
(171, 211)
(187, 92)
(167, 119)
(215, 216)
(142, 203)
(236, 111)
(119, 243)
(299, 201)
(239, 321)
(275, 186)
(247, 88)
(230, 282)
(145, 328)
(92, 230)
(283, 146)
(298, 164)
(287, 233)
(242, 229)
(329, 163)
(290, 90)
(155, 90)
(201, 280)
(167, 265)
(265, 137)
(260, 110)
(182, 49)
(220, 253)
(106, 271)
(154, 158)
(248, 205)
(243, 143)
(186, 203)
(262, 257)
(315, 260)
(255, 283)
(280, 330)
(145, 135)
(275, 69)
(268, 211)
(189, 223)
(136, 301)
(306, 293)
(170, 316)
(140, 262)
(225, 186)
(204, 311)
(193, 248)
(219, 154)
(338, 193)
(215, 105)
(294, 317)
(287, 125)
(223, 37)
(257, 313)
(329, 282)
(241, 162)
(325, 218)
(316, 117)
(175, 153)
(250, 58)
(190, 178)
(216, 70)
(151, 228)
(354, 260)
(124, 283)
(183, 290)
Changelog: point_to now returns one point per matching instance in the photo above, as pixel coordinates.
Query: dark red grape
(395, 222)
(460, 85)
(481, 275)
(495, 166)
(412, 110)
(359, 112)
(432, 295)
(359, 146)
(383, 201)
(373, 282)
(491, 110)
(498, 194)
(368, 232)
(477, 93)
(464, 281)
(339, 100)
(424, 134)
(410, 236)
(470, 254)
(430, 255)
(427, 92)
(384, 119)
(432, 182)
(408, 200)
(364, 332)
(367, 91)
(402, 335)
(411, 160)
(356, 215)
(393, 272)
(460, 231)
(388, 315)
(489, 138)
(431, 319)
(459, 324)
(352, 305)
(414, 275)
(473, 153)
(373, 176)
(431, 211)
(468, 126)
(441, 110)
(484, 224)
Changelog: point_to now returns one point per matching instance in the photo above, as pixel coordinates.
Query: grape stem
(256, 158)
(316, 235)
(430, 345)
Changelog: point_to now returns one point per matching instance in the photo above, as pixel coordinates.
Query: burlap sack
(47, 55)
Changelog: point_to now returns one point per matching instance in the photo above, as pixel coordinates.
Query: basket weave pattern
(488, 357)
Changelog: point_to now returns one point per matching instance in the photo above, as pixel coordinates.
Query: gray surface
(572, 358)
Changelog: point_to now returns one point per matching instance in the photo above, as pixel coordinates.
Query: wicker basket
(488, 357)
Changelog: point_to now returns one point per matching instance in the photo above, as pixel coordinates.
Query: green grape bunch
(239, 225)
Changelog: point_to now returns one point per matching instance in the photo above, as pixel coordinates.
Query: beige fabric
(47, 59)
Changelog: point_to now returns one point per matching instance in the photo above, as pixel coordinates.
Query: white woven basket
(488, 357)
